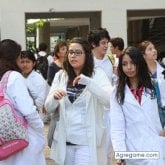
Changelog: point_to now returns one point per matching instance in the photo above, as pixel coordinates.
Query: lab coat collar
(129, 97)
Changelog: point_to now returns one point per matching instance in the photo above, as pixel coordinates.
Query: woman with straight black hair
(135, 123)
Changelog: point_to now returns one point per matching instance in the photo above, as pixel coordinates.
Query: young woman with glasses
(81, 95)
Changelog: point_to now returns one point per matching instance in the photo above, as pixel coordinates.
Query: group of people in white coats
(81, 97)
(134, 118)
(94, 115)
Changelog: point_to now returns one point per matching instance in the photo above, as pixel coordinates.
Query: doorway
(146, 25)
(54, 26)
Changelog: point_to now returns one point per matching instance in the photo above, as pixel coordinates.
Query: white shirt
(75, 118)
(106, 65)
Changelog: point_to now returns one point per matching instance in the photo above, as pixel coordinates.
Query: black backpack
(42, 65)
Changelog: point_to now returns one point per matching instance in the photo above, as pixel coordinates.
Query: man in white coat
(99, 40)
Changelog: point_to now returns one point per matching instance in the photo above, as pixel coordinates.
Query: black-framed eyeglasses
(76, 52)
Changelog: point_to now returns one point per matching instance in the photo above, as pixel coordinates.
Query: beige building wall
(114, 13)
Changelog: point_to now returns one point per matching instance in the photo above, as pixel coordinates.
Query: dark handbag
(52, 126)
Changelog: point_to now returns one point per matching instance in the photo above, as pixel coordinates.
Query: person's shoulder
(15, 75)
(110, 58)
(60, 72)
(99, 73)
(98, 70)
(60, 75)
(35, 75)
(54, 65)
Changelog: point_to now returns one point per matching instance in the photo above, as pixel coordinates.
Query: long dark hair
(142, 71)
(89, 63)
(9, 52)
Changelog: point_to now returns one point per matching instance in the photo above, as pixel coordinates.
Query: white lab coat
(97, 95)
(36, 85)
(33, 154)
(136, 127)
(107, 67)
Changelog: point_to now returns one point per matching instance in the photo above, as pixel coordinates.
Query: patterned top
(74, 92)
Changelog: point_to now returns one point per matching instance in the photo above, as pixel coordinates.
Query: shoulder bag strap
(157, 92)
(111, 58)
(161, 111)
(4, 83)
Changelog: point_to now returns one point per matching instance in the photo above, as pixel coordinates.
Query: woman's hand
(81, 79)
(59, 94)
(120, 162)
(162, 133)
